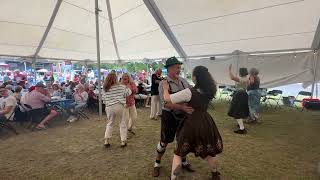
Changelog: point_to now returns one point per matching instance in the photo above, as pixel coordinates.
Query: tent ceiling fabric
(201, 27)
(248, 25)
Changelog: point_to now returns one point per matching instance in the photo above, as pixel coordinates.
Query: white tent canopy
(275, 69)
(137, 29)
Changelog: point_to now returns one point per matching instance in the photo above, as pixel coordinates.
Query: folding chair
(299, 98)
(81, 112)
(140, 102)
(5, 123)
(273, 96)
(222, 90)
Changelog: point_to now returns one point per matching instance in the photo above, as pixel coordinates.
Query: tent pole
(112, 29)
(316, 38)
(25, 66)
(314, 72)
(317, 95)
(157, 15)
(44, 37)
(98, 55)
(34, 70)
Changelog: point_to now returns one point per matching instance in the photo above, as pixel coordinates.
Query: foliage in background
(130, 66)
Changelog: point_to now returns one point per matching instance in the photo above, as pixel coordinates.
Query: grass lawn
(284, 145)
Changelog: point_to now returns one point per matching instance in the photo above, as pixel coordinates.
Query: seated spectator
(17, 93)
(92, 97)
(86, 87)
(10, 89)
(69, 90)
(31, 88)
(56, 90)
(142, 94)
(37, 99)
(7, 105)
(81, 98)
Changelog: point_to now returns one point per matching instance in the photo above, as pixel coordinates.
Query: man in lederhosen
(171, 113)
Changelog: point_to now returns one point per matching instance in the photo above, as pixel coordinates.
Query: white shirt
(80, 100)
(8, 101)
(181, 96)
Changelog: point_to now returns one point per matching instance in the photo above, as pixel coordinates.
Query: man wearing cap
(7, 105)
(19, 78)
(171, 112)
(37, 100)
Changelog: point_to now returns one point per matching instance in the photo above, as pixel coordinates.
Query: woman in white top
(114, 97)
(239, 108)
(80, 101)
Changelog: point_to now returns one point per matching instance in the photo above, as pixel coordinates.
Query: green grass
(284, 145)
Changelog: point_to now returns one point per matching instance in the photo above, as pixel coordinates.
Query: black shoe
(240, 131)
(156, 172)
(215, 175)
(131, 131)
(106, 145)
(188, 168)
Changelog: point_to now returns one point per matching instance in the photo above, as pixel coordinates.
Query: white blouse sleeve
(181, 96)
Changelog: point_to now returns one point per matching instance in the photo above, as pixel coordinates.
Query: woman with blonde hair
(114, 97)
(131, 111)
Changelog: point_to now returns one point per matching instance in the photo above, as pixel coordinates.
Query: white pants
(155, 106)
(131, 116)
(114, 112)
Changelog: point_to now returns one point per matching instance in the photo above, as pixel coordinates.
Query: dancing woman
(254, 94)
(114, 97)
(198, 132)
(239, 109)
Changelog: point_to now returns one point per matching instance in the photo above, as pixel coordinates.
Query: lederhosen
(170, 121)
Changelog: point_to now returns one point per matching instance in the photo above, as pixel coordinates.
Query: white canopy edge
(156, 13)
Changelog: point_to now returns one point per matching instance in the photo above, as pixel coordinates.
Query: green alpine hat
(172, 61)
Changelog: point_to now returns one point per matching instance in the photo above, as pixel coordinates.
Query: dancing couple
(184, 115)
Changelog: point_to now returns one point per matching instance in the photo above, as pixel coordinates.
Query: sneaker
(123, 144)
(240, 131)
(73, 119)
(156, 172)
(68, 120)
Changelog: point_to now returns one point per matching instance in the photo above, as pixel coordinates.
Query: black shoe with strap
(187, 167)
(156, 172)
(215, 175)
(106, 145)
(240, 131)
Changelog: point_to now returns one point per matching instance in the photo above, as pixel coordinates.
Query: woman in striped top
(114, 97)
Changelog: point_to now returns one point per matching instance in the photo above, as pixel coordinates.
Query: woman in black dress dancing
(197, 133)
(239, 108)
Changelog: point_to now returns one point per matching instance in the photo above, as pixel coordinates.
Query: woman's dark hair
(18, 89)
(204, 81)
(243, 72)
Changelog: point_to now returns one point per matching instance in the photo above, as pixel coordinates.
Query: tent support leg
(34, 70)
(314, 73)
(98, 55)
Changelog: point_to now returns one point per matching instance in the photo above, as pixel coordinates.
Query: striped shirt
(116, 94)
